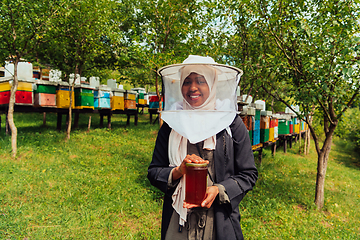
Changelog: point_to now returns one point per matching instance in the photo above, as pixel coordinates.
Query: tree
(80, 40)
(23, 23)
(165, 35)
(307, 56)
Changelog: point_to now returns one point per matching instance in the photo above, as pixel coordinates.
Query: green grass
(94, 186)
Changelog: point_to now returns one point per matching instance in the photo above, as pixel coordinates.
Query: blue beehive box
(256, 137)
(102, 97)
(257, 125)
(102, 102)
(101, 94)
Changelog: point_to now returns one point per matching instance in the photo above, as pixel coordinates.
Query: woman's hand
(210, 196)
(179, 171)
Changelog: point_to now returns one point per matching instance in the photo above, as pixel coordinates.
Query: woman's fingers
(211, 194)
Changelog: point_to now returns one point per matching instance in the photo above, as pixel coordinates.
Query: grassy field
(94, 186)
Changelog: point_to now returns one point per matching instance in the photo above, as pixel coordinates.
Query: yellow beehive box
(142, 101)
(22, 86)
(25, 86)
(271, 134)
(297, 128)
(130, 95)
(5, 86)
(117, 103)
(63, 99)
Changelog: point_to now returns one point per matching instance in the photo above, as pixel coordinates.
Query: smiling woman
(200, 119)
(195, 89)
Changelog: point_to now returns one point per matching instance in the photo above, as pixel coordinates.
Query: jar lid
(196, 164)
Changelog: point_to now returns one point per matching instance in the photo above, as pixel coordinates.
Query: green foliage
(80, 38)
(349, 128)
(23, 24)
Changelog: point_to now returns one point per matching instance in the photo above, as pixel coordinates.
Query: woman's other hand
(211, 194)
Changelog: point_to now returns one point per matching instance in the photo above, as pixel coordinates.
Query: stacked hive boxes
(23, 95)
(45, 94)
(283, 126)
(117, 100)
(63, 96)
(248, 121)
(291, 126)
(130, 100)
(141, 99)
(264, 126)
(154, 101)
(5, 88)
(256, 131)
(140, 95)
(84, 96)
(102, 97)
(36, 73)
(296, 125)
(275, 124)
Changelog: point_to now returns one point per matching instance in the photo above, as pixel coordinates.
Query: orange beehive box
(130, 104)
(45, 100)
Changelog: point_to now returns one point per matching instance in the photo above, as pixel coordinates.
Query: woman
(203, 123)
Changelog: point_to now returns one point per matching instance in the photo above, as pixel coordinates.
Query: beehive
(283, 127)
(45, 94)
(154, 102)
(247, 121)
(256, 136)
(84, 97)
(63, 98)
(45, 99)
(129, 104)
(102, 97)
(117, 100)
(264, 128)
(130, 95)
(23, 96)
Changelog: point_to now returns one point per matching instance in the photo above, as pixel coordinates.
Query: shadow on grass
(344, 153)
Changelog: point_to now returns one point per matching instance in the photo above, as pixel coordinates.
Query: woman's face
(195, 89)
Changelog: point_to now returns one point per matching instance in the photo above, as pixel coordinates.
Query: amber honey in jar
(195, 182)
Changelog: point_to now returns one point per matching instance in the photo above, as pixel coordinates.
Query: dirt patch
(326, 224)
(300, 207)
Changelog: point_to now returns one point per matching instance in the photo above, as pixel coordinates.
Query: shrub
(349, 127)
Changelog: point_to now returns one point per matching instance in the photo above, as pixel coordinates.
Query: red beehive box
(4, 97)
(24, 97)
(21, 97)
(247, 121)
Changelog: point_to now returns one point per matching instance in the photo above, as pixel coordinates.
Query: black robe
(234, 168)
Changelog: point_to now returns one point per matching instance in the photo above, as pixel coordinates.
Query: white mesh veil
(197, 125)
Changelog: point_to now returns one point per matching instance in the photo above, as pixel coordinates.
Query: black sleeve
(243, 173)
(159, 170)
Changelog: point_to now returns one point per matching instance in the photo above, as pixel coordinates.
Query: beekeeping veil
(218, 111)
(200, 123)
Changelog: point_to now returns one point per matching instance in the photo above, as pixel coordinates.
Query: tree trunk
(305, 141)
(323, 157)
(320, 178)
(11, 111)
(70, 110)
(300, 138)
(308, 133)
(159, 97)
(44, 119)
